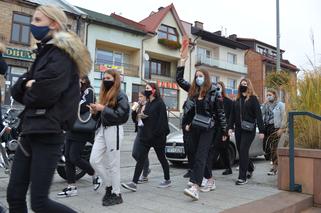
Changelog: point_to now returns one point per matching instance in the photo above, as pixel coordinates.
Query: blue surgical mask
(199, 81)
(39, 32)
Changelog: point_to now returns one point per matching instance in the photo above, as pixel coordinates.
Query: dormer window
(167, 32)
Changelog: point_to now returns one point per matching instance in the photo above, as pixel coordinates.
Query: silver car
(175, 152)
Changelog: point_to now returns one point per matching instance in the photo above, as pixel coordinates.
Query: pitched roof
(155, 18)
(59, 3)
(212, 37)
(110, 21)
(128, 21)
(257, 41)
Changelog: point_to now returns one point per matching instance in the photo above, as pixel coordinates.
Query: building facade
(15, 34)
(261, 60)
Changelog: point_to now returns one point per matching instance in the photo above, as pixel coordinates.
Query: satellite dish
(146, 56)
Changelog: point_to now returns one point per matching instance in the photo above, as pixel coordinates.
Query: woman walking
(209, 115)
(245, 114)
(76, 141)
(273, 112)
(137, 113)
(153, 134)
(50, 94)
(111, 112)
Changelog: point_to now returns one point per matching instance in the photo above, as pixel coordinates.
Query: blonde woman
(112, 111)
(50, 94)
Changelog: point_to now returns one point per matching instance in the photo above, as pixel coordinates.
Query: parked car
(175, 152)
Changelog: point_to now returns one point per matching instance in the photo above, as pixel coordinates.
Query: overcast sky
(246, 18)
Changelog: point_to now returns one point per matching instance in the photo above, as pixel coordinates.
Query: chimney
(160, 8)
(198, 25)
(233, 37)
(219, 33)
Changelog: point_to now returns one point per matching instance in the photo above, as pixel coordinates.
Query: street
(149, 198)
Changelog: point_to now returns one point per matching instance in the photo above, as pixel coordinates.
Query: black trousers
(202, 165)
(190, 146)
(36, 170)
(136, 152)
(73, 151)
(143, 150)
(221, 148)
(244, 140)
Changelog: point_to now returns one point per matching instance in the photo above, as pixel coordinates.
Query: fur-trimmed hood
(74, 47)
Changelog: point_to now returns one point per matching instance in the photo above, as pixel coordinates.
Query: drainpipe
(142, 74)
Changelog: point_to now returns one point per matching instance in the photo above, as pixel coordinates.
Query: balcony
(124, 68)
(214, 62)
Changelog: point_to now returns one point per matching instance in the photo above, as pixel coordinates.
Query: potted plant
(303, 95)
(169, 43)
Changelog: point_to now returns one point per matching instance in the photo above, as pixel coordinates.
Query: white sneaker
(70, 191)
(189, 184)
(204, 182)
(192, 192)
(210, 186)
(97, 182)
(237, 168)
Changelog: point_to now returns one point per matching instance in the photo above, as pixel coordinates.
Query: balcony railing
(214, 62)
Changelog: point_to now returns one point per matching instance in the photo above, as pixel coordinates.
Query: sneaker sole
(241, 183)
(208, 189)
(186, 192)
(65, 196)
(164, 186)
(128, 188)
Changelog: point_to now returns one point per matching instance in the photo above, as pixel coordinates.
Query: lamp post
(278, 54)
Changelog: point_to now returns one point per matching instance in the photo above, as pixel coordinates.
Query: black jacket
(155, 127)
(228, 106)
(51, 103)
(251, 112)
(87, 97)
(117, 115)
(214, 106)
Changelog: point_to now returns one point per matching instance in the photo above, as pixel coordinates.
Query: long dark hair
(223, 92)
(86, 84)
(250, 89)
(196, 90)
(155, 89)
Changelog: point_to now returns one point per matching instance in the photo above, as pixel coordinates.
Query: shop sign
(20, 54)
(167, 84)
(105, 67)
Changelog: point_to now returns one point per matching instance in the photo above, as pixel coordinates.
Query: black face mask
(108, 84)
(243, 88)
(147, 93)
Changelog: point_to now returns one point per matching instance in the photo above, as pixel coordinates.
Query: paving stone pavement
(149, 198)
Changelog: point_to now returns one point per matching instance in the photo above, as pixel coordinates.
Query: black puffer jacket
(51, 103)
(214, 105)
(115, 116)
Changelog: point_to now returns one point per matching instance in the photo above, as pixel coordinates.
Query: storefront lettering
(19, 54)
(166, 84)
(105, 67)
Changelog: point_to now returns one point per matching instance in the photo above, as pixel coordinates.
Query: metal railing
(293, 185)
(214, 62)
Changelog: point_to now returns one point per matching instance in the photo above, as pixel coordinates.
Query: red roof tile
(128, 21)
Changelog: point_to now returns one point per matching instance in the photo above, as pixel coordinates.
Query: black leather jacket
(115, 116)
(214, 105)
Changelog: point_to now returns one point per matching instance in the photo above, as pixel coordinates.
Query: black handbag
(84, 123)
(246, 125)
(203, 122)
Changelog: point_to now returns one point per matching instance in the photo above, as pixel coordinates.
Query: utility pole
(278, 54)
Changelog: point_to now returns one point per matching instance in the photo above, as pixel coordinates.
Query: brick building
(15, 19)
(261, 60)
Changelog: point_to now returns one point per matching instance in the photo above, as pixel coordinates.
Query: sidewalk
(149, 198)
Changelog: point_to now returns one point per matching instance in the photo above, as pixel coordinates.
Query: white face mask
(270, 98)
(200, 81)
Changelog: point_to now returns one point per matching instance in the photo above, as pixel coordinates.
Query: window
(231, 83)
(262, 50)
(203, 52)
(170, 97)
(231, 58)
(20, 32)
(136, 88)
(157, 67)
(215, 79)
(167, 32)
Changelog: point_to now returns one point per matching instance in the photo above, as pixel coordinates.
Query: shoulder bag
(245, 125)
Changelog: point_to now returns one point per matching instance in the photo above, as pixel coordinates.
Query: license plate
(175, 149)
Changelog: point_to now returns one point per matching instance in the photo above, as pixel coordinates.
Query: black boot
(188, 174)
(115, 199)
(107, 196)
(227, 172)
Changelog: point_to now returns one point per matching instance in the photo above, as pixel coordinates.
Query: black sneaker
(107, 196)
(114, 200)
(249, 175)
(241, 182)
(188, 174)
(227, 172)
(130, 186)
(70, 191)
